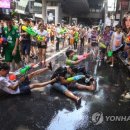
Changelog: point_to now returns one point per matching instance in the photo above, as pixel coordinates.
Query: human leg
(64, 90)
(44, 55)
(91, 87)
(39, 85)
(40, 71)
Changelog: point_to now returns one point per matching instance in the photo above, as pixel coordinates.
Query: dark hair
(68, 52)
(118, 26)
(61, 71)
(4, 66)
(26, 20)
(74, 68)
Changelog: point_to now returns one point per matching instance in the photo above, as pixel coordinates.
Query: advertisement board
(5, 4)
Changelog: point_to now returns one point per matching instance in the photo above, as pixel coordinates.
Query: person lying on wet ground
(23, 85)
(63, 85)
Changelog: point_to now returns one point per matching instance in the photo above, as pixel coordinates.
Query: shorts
(9, 57)
(42, 46)
(33, 43)
(116, 51)
(103, 50)
(52, 38)
(94, 44)
(25, 47)
(63, 88)
(24, 87)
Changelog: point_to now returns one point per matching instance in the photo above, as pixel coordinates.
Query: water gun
(30, 31)
(3, 40)
(80, 57)
(21, 72)
(75, 78)
(102, 45)
(76, 36)
(40, 38)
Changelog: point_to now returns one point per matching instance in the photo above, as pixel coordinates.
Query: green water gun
(75, 78)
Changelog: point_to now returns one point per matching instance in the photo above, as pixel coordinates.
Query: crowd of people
(20, 47)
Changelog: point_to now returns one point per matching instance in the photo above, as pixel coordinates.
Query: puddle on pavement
(65, 119)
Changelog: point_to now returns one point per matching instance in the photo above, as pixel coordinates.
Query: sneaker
(111, 65)
(127, 96)
(50, 66)
(105, 58)
(78, 101)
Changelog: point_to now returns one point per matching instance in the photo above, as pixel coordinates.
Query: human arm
(17, 83)
(111, 43)
(71, 62)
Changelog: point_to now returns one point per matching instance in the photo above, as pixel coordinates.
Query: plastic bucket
(110, 53)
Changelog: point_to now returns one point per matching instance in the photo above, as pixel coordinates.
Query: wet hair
(68, 52)
(4, 66)
(61, 71)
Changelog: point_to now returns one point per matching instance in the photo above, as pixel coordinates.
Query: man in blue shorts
(63, 85)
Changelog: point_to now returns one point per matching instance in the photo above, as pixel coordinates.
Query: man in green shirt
(11, 49)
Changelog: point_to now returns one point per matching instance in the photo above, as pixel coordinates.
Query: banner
(124, 4)
(5, 4)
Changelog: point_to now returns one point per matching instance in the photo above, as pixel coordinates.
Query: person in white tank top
(116, 41)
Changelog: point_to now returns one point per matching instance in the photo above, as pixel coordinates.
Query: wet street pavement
(47, 109)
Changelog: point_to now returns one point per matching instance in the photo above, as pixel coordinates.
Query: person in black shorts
(42, 45)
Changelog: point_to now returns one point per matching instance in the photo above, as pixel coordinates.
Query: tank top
(117, 40)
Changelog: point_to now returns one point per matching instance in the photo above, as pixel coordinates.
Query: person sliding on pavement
(23, 85)
(63, 84)
(73, 60)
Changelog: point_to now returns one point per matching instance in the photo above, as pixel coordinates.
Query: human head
(70, 69)
(26, 21)
(33, 22)
(9, 22)
(70, 53)
(118, 28)
(107, 28)
(41, 26)
(126, 22)
(4, 69)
